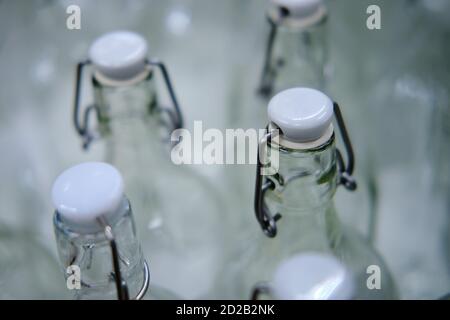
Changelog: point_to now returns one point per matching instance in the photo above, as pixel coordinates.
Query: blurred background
(392, 85)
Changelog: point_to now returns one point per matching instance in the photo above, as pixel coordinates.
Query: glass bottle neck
(121, 100)
(304, 188)
(91, 255)
(129, 112)
(300, 56)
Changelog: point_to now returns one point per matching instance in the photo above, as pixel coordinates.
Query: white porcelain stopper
(302, 114)
(119, 55)
(313, 276)
(86, 192)
(299, 8)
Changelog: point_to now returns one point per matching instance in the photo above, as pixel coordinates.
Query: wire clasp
(82, 126)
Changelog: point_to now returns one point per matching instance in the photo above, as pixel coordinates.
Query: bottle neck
(91, 254)
(123, 100)
(304, 189)
(300, 56)
(129, 112)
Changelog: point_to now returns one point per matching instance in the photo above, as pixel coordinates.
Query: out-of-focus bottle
(398, 107)
(27, 268)
(294, 195)
(99, 252)
(413, 197)
(296, 51)
(309, 276)
(295, 54)
(179, 213)
(123, 81)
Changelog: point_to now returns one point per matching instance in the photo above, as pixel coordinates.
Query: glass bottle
(99, 252)
(294, 196)
(179, 211)
(296, 51)
(411, 143)
(27, 263)
(295, 54)
(309, 276)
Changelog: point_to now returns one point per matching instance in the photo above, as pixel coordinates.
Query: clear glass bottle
(309, 276)
(180, 212)
(27, 263)
(95, 233)
(413, 207)
(395, 115)
(302, 190)
(296, 53)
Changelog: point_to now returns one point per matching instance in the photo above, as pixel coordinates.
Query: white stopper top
(85, 192)
(119, 55)
(299, 8)
(302, 114)
(313, 276)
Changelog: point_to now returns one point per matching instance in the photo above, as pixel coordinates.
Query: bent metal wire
(121, 285)
(268, 221)
(268, 73)
(265, 219)
(83, 127)
(259, 289)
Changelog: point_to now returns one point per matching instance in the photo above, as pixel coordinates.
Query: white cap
(299, 8)
(119, 55)
(85, 192)
(302, 114)
(313, 276)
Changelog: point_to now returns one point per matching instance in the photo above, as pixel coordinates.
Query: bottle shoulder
(259, 256)
(373, 277)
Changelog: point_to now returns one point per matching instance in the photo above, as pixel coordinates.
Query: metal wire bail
(175, 115)
(121, 285)
(259, 289)
(345, 170)
(82, 128)
(262, 184)
(268, 73)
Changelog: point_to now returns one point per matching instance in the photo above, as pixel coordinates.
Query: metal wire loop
(121, 285)
(175, 114)
(265, 88)
(262, 185)
(259, 289)
(82, 128)
(345, 170)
